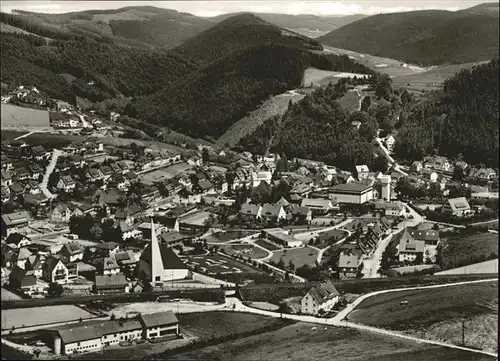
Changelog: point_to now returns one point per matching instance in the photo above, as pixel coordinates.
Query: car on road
(404, 303)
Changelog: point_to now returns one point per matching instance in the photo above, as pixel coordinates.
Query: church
(159, 263)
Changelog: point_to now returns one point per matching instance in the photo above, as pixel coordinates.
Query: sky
(214, 8)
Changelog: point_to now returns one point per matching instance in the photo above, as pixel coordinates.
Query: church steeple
(157, 271)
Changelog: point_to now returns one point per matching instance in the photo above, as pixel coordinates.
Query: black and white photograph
(282, 180)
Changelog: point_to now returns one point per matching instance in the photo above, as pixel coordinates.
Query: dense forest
(427, 37)
(318, 128)
(460, 120)
(115, 70)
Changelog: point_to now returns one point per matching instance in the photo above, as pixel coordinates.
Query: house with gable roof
(54, 270)
(71, 252)
(408, 247)
(458, 207)
(15, 223)
(251, 212)
(273, 212)
(321, 297)
(61, 213)
(348, 266)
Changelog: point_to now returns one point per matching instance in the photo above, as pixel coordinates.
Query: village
(93, 218)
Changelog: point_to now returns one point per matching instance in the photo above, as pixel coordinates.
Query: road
(50, 168)
(371, 264)
(323, 250)
(388, 156)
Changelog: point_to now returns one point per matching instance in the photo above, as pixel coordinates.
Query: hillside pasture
(350, 101)
(299, 342)
(318, 77)
(433, 78)
(18, 117)
(467, 249)
(490, 266)
(299, 256)
(274, 106)
(436, 312)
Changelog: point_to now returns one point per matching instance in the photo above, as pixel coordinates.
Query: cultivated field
(490, 266)
(299, 342)
(437, 313)
(18, 117)
(132, 309)
(299, 256)
(469, 248)
(19, 317)
(245, 250)
(274, 106)
(12, 134)
(164, 173)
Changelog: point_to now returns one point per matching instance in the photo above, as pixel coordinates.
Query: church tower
(157, 272)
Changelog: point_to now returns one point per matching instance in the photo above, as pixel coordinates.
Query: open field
(322, 77)
(264, 306)
(490, 266)
(266, 245)
(276, 105)
(350, 101)
(299, 256)
(132, 309)
(466, 249)
(432, 78)
(388, 66)
(437, 313)
(299, 342)
(164, 173)
(14, 116)
(42, 315)
(245, 250)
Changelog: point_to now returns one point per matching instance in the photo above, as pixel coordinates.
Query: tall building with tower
(385, 180)
(159, 263)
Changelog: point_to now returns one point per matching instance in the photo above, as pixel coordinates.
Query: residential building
(458, 207)
(321, 297)
(21, 257)
(348, 266)
(429, 236)
(17, 240)
(261, 176)
(169, 224)
(417, 166)
(354, 193)
(273, 212)
(71, 252)
(159, 324)
(392, 209)
(408, 247)
(362, 171)
(22, 280)
(111, 283)
(171, 239)
(15, 223)
(110, 266)
(301, 215)
(317, 205)
(61, 213)
(66, 183)
(6, 178)
(54, 270)
(251, 212)
(390, 141)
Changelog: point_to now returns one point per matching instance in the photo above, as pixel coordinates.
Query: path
(323, 250)
(339, 321)
(388, 156)
(25, 135)
(50, 168)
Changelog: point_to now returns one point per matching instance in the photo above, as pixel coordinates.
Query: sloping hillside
(429, 37)
(462, 119)
(275, 106)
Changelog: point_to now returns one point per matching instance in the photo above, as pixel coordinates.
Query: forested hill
(239, 33)
(429, 37)
(461, 120)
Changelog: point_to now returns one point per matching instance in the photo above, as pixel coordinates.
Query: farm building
(320, 297)
(354, 193)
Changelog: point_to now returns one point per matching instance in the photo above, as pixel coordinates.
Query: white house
(55, 271)
(159, 324)
(362, 171)
(321, 297)
(389, 142)
(261, 176)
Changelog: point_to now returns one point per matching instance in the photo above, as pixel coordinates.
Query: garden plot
(216, 264)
